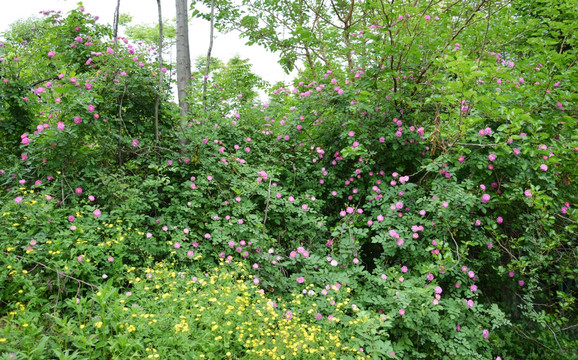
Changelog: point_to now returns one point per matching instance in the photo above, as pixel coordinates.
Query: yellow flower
(98, 324)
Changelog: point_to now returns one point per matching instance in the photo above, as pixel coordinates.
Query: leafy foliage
(411, 197)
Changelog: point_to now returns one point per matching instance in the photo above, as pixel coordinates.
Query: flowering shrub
(374, 213)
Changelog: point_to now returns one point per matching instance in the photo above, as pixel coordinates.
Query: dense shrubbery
(386, 213)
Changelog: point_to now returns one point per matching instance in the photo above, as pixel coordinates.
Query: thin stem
(267, 206)
(60, 273)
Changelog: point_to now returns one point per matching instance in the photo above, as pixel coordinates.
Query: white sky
(225, 46)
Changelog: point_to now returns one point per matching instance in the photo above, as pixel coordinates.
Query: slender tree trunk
(115, 24)
(183, 55)
(160, 52)
(115, 36)
(207, 68)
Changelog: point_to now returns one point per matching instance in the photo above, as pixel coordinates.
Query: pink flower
(78, 190)
(544, 167)
(134, 142)
(110, 51)
(18, 200)
(110, 259)
(500, 220)
(485, 198)
(470, 303)
(486, 333)
(528, 193)
(401, 312)
(51, 54)
(90, 197)
(492, 157)
(96, 213)
(177, 245)
(60, 126)
(300, 280)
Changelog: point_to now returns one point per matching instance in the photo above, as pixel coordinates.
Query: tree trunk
(115, 24)
(115, 36)
(183, 55)
(209, 54)
(160, 52)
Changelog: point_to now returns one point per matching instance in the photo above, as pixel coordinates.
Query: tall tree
(183, 54)
(115, 24)
(160, 52)
(209, 52)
